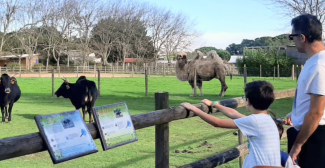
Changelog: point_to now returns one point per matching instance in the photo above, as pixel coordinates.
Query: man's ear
(303, 38)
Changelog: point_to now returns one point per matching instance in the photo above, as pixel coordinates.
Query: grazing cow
(9, 94)
(82, 94)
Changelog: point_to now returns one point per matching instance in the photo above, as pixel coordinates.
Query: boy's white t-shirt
(263, 140)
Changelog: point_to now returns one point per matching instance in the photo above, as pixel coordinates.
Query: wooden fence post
(162, 132)
(53, 82)
(195, 84)
(273, 72)
(278, 71)
(164, 71)
(98, 82)
(240, 135)
(132, 69)
(245, 74)
(77, 71)
(146, 79)
(293, 72)
(19, 71)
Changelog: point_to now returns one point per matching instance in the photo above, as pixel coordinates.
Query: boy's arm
(229, 112)
(214, 121)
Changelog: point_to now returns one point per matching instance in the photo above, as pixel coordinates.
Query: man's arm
(316, 111)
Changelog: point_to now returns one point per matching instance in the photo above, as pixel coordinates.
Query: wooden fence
(32, 143)
(164, 69)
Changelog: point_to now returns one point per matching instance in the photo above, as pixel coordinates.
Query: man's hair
(309, 26)
(260, 94)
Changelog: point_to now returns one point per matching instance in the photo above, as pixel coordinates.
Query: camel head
(181, 59)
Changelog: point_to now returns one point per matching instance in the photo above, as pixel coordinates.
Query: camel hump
(199, 55)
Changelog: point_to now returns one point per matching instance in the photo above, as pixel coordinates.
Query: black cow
(9, 94)
(82, 94)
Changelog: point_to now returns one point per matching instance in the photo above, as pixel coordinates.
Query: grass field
(187, 134)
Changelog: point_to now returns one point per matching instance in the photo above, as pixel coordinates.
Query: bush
(268, 58)
(36, 66)
(225, 55)
(13, 65)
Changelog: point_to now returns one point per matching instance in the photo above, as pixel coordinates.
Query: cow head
(5, 82)
(64, 89)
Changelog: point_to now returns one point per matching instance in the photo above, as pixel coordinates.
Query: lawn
(185, 135)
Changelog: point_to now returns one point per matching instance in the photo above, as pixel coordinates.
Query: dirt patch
(205, 144)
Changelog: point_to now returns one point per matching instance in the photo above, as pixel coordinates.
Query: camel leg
(224, 86)
(191, 82)
(200, 84)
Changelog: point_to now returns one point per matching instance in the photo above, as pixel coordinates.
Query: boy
(259, 128)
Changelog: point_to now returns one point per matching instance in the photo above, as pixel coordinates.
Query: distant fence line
(165, 69)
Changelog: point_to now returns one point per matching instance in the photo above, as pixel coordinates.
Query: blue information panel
(115, 125)
(66, 135)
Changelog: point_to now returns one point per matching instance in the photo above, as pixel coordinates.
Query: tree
(8, 13)
(224, 54)
(292, 8)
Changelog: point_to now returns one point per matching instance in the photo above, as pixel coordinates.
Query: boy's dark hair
(260, 94)
(309, 26)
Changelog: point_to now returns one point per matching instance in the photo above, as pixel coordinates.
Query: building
(299, 58)
(77, 56)
(24, 60)
(233, 59)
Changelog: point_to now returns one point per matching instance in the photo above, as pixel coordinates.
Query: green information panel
(115, 125)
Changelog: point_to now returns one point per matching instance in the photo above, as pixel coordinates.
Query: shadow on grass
(171, 148)
(28, 116)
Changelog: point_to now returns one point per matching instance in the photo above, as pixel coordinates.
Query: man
(307, 117)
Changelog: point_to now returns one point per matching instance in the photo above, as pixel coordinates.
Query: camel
(207, 69)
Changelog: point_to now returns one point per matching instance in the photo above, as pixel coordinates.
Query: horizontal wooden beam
(33, 143)
(225, 157)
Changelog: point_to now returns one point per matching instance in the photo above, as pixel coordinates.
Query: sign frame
(101, 132)
(47, 141)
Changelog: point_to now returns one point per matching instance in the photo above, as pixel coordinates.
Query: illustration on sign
(115, 125)
(66, 135)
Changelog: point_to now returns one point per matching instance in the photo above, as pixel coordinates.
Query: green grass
(188, 134)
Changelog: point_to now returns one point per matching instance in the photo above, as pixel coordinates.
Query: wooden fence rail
(33, 143)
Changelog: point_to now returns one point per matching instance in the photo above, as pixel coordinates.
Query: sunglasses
(292, 35)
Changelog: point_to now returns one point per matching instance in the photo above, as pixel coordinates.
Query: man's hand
(207, 102)
(294, 152)
(288, 121)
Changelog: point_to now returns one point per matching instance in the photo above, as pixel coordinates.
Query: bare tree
(87, 14)
(292, 8)
(180, 36)
(170, 31)
(8, 14)
(31, 19)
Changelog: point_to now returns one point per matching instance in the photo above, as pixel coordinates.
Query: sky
(223, 22)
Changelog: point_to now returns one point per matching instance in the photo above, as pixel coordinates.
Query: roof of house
(130, 60)
(16, 56)
(233, 58)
